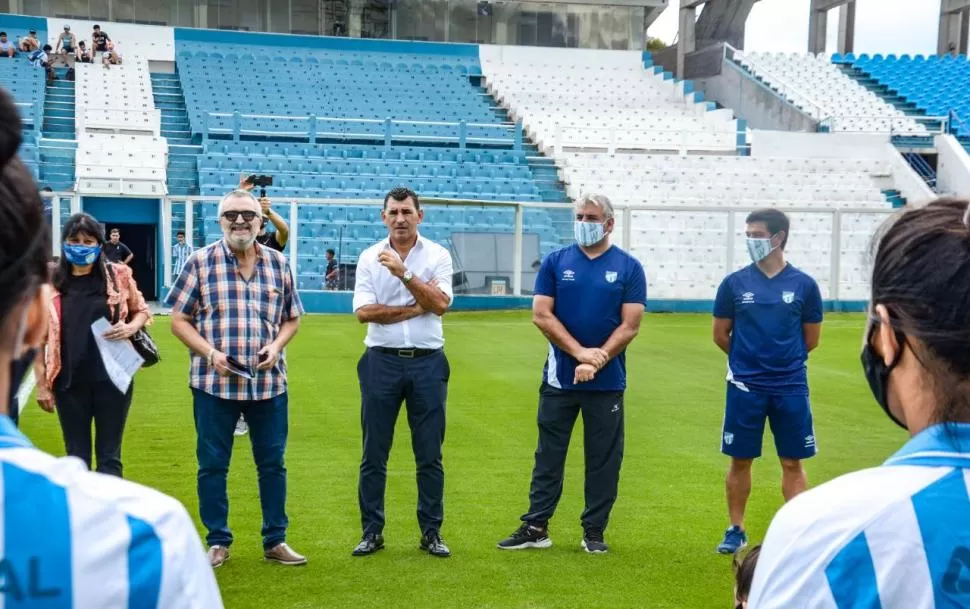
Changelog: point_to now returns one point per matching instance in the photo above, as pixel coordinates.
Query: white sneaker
(241, 428)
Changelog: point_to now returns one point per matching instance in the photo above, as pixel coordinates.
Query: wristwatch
(407, 277)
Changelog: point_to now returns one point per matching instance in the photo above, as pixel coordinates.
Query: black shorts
(101, 47)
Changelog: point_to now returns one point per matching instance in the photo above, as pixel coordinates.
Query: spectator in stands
(41, 59)
(743, 575)
(332, 273)
(83, 53)
(66, 42)
(115, 250)
(72, 376)
(99, 40)
(235, 306)
(68, 521)
(111, 55)
(403, 288)
(767, 319)
(7, 48)
(30, 43)
(896, 535)
(181, 250)
(589, 300)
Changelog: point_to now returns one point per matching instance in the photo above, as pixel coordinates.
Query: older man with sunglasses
(235, 307)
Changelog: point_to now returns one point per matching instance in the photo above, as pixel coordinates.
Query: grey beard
(240, 244)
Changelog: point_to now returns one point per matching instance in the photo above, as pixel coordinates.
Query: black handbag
(141, 340)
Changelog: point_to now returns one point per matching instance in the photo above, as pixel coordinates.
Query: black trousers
(386, 381)
(101, 402)
(602, 443)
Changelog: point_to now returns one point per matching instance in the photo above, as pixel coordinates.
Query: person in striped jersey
(70, 538)
(896, 536)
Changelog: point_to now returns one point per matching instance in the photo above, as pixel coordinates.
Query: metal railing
(896, 125)
(612, 139)
(237, 125)
(723, 244)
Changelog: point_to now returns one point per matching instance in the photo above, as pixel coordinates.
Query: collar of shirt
(940, 445)
(231, 255)
(10, 436)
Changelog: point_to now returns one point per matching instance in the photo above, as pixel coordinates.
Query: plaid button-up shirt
(236, 316)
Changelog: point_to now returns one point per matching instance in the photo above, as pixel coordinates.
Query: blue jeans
(215, 421)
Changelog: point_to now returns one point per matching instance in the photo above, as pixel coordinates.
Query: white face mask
(759, 249)
(588, 233)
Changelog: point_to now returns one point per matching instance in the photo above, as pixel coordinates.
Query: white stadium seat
(822, 90)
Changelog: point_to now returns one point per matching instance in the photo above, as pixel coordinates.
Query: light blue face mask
(81, 255)
(759, 249)
(588, 233)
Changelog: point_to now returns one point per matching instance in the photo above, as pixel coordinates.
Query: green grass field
(669, 517)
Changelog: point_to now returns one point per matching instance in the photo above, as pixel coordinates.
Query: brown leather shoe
(218, 555)
(284, 555)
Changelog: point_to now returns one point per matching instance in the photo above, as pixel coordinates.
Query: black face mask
(877, 372)
(18, 370)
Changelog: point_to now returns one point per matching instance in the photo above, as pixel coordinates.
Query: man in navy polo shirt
(767, 317)
(589, 300)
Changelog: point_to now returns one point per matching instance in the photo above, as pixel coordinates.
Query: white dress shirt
(375, 285)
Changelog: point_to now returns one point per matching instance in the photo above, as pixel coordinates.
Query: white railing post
(294, 241)
(517, 251)
(56, 225)
(626, 237)
(165, 211)
(75, 204)
(730, 243)
(835, 260)
(189, 230)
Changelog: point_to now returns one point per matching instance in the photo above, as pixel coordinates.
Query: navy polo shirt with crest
(768, 353)
(589, 296)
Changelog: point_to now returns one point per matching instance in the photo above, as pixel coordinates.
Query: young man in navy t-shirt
(588, 301)
(767, 318)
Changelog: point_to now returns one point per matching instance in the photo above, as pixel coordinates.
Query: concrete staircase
(58, 141)
(183, 149)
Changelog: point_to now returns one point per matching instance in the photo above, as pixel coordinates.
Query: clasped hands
(590, 362)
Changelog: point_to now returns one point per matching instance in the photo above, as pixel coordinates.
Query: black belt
(406, 353)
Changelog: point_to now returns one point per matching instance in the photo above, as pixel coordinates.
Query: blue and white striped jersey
(73, 539)
(892, 537)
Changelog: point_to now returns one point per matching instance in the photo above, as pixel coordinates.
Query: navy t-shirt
(589, 296)
(768, 351)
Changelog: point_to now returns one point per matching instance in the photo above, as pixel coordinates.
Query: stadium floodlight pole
(818, 25)
(954, 26)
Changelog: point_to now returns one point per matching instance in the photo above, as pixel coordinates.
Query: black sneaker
(527, 536)
(593, 541)
(369, 543)
(432, 544)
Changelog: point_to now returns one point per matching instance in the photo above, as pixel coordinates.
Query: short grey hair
(600, 201)
(243, 194)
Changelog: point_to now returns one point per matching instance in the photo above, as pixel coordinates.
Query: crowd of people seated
(67, 51)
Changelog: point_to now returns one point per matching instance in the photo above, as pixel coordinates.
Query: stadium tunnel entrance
(138, 221)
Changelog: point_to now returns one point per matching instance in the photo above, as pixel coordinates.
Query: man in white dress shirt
(403, 288)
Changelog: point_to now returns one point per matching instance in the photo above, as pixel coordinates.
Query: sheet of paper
(121, 361)
(30, 381)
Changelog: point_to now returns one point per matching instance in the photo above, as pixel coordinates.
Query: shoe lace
(594, 534)
(735, 534)
(434, 538)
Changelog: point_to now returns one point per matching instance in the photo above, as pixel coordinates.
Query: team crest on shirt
(788, 297)
(728, 438)
(610, 276)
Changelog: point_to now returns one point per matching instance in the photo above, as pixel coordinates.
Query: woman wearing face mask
(73, 376)
(72, 538)
(897, 535)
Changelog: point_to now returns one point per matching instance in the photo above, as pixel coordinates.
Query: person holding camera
(235, 306)
(275, 239)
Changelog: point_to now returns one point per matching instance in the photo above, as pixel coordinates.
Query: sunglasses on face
(232, 216)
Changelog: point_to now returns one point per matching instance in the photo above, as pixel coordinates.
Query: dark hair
(180, 233)
(921, 273)
(3, 33)
(24, 233)
(744, 572)
(400, 194)
(114, 230)
(331, 251)
(75, 225)
(775, 220)
(97, 27)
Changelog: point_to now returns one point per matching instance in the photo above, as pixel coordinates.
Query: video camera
(262, 181)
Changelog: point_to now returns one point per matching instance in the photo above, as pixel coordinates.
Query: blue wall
(129, 210)
(19, 25)
(364, 45)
